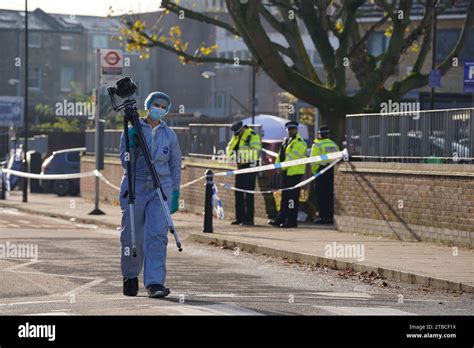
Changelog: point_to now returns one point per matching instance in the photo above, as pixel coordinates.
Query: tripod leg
(169, 220)
(131, 192)
(132, 229)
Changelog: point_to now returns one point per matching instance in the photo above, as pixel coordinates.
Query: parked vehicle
(62, 162)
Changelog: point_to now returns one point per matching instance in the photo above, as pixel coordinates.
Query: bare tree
(290, 65)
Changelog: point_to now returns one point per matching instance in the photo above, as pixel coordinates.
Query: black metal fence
(414, 136)
(195, 140)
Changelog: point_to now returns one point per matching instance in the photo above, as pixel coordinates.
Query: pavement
(422, 263)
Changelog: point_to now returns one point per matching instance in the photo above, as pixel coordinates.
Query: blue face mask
(157, 113)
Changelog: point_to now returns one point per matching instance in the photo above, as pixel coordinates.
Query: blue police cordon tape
(217, 203)
(271, 153)
(300, 184)
(315, 159)
(59, 176)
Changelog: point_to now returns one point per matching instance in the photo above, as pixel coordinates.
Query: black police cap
(324, 130)
(236, 126)
(291, 124)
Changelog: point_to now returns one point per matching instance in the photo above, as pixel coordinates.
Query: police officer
(150, 222)
(324, 185)
(244, 148)
(293, 147)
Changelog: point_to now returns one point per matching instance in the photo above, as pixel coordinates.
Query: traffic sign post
(434, 79)
(111, 67)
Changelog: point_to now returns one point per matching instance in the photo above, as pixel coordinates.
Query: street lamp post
(25, 148)
(254, 102)
(210, 75)
(433, 52)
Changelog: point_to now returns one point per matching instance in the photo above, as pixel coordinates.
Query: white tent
(274, 127)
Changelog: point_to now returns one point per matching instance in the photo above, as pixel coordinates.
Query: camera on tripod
(124, 88)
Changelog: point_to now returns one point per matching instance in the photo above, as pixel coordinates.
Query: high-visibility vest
(296, 149)
(322, 147)
(249, 147)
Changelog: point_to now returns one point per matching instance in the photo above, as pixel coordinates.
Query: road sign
(435, 79)
(111, 66)
(11, 111)
(469, 77)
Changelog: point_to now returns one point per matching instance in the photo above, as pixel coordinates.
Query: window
(67, 77)
(446, 39)
(73, 157)
(34, 40)
(67, 42)
(219, 100)
(34, 77)
(378, 43)
(100, 41)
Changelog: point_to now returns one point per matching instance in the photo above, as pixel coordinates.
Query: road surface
(76, 272)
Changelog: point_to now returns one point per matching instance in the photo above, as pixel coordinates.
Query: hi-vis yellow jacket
(322, 147)
(249, 147)
(296, 149)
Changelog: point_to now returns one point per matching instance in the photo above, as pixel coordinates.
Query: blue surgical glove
(175, 201)
(132, 134)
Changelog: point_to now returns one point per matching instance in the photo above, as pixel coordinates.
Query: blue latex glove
(174, 202)
(132, 135)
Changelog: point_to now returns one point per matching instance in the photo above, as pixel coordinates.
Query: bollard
(208, 202)
(4, 187)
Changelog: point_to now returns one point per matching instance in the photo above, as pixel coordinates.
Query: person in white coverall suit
(151, 226)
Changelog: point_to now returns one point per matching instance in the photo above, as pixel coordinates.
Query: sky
(84, 7)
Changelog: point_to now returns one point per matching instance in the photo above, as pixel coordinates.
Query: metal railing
(204, 139)
(414, 136)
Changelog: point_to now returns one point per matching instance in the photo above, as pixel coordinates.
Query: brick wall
(425, 202)
(113, 171)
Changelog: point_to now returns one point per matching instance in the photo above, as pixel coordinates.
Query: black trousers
(244, 202)
(324, 187)
(290, 200)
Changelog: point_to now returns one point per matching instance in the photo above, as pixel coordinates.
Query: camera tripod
(131, 116)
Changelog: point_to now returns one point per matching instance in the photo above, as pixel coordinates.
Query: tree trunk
(336, 121)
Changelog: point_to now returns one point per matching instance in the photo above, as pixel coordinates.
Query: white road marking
(84, 287)
(344, 294)
(24, 221)
(217, 309)
(92, 227)
(10, 211)
(10, 269)
(340, 310)
(53, 275)
(13, 225)
(31, 302)
(51, 313)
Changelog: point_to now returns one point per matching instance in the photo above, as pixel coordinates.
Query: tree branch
(320, 39)
(366, 36)
(390, 58)
(198, 16)
(247, 20)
